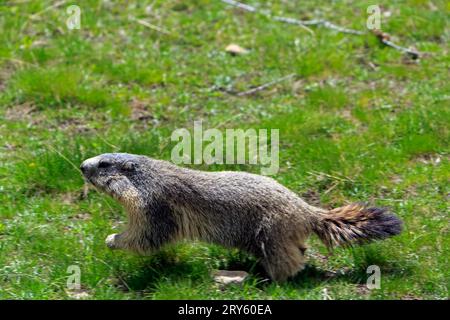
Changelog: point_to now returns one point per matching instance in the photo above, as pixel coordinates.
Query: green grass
(359, 122)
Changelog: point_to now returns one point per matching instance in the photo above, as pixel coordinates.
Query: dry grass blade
(266, 85)
(152, 26)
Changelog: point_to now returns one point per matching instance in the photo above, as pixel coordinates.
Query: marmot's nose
(89, 166)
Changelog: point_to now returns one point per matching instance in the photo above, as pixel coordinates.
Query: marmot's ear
(129, 166)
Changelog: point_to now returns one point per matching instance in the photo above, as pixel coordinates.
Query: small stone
(226, 277)
(78, 294)
(235, 49)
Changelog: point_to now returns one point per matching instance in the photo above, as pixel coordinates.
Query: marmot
(254, 213)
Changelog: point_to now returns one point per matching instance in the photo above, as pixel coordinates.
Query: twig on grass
(302, 23)
(385, 39)
(414, 54)
(317, 22)
(240, 5)
(264, 86)
(151, 26)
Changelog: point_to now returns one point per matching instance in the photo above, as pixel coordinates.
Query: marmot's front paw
(110, 241)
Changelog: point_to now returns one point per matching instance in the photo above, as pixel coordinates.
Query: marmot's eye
(129, 166)
(104, 164)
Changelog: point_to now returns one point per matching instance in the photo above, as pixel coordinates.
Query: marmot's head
(117, 174)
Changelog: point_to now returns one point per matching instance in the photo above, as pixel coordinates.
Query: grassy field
(358, 122)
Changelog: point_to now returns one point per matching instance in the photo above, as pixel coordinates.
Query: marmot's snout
(89, 166)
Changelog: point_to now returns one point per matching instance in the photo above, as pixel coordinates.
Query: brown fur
(167, 203)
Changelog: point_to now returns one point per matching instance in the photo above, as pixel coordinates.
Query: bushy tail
(356, 224)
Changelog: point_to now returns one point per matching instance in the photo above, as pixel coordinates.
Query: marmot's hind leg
(283, 260)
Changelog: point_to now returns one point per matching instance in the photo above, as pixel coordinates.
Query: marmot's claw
(110, 241)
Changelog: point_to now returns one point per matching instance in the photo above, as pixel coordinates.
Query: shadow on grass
(150, 272)
(313, 276)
